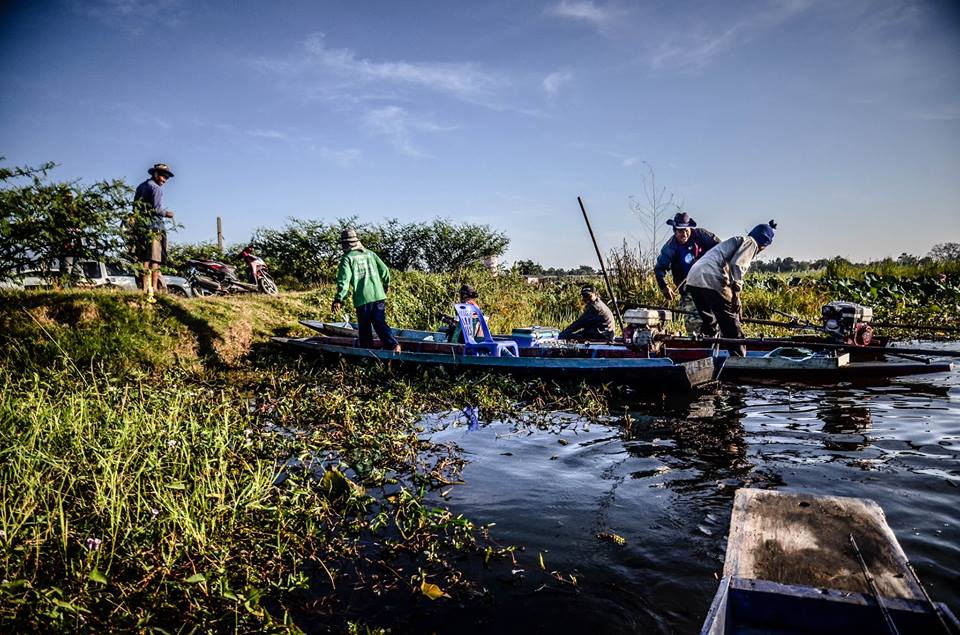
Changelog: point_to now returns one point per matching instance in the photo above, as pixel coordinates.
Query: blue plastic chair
(469, 315)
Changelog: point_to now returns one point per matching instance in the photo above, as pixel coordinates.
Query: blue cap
(763, 234)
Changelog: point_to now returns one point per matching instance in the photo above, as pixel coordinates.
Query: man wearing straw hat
(363, 270)
(151, 241)
(678, 254)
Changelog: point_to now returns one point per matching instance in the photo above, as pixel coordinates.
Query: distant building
(491, 264)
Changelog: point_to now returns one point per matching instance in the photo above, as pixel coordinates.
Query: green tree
(529, 268)
(945, 252)
(49, 223)
(306, 252)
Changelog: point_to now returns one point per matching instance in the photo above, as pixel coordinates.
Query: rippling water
(662, 476)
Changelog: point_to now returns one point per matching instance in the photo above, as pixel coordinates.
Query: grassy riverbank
(164, 467)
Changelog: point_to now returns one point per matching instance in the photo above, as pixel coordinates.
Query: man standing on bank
(678, 254)
(716, 281)
(151, 241)
(370, 278)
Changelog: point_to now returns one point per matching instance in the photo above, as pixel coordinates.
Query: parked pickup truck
(93, 273)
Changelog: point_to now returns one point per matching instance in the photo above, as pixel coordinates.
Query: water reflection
(846, 422)
(662, 475)
(704, 435)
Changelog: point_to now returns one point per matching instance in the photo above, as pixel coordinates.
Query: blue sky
(840, 118)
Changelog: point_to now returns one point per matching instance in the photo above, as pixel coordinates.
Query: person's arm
(708, 239)
(578, 324)
(740, 263)
(660, 269)
(384, 272)
(343, 284)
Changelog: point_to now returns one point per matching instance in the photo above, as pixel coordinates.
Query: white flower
(93, 544)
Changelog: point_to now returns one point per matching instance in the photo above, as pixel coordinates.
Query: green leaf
(176, 485)
(97, 576)
(196, 577)
(334, 485)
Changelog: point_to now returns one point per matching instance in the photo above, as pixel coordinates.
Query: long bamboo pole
(603, 268)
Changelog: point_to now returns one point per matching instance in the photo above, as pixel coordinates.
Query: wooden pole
(220, 234)
(603, 269)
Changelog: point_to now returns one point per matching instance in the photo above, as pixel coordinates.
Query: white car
(97, 274)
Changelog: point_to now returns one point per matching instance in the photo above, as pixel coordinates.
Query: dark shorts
(153, 249)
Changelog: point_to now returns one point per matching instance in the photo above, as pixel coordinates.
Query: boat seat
(469, 316)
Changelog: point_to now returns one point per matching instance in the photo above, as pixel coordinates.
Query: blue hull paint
(640, 373)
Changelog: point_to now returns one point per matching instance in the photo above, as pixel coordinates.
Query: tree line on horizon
(42, 221)
(48, 223)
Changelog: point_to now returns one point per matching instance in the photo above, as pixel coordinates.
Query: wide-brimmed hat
(349, 237)
(468, 291)
(682, 220)
(162, 168)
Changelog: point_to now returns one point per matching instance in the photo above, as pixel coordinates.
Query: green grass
(161, 467)
(165, 467)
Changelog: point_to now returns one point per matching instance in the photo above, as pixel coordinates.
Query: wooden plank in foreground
(804, 540)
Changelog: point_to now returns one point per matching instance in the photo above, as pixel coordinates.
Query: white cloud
(584, 10)
(340, 70)
(945, 113)
(697, 46)
(397, 126)
(267, 134)
(343, 158)
(553, 82)
(129, 15)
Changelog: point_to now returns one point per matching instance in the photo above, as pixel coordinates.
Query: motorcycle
(210, 277)
(257, 273)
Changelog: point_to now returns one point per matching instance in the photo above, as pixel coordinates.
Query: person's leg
(379, 319)
(155, 276)
(692, 319)
(147, 288)
(702, 301)
(364, 325)
(728, 322)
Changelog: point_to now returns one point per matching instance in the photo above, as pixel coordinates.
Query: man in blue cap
(716, 281)
(678, 254)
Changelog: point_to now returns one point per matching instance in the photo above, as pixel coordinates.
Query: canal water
(662, 476)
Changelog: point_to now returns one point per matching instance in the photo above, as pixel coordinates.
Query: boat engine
(848, 322)
(641, 328)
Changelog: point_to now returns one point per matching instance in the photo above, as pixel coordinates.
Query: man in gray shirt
(595, 323)
(716, 281)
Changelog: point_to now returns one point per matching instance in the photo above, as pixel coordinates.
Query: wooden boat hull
(648, 375)
(799, 372)
(790, 568)
(862, 372)
(757, 606)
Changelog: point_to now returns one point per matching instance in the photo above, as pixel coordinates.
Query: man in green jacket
(370, 278)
